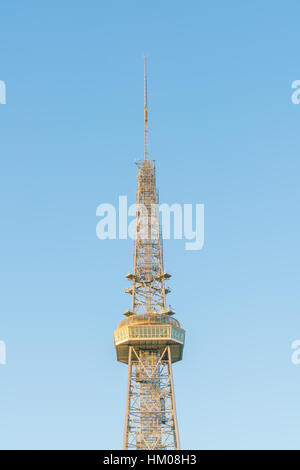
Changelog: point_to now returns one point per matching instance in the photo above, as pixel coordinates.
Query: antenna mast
(145, 111)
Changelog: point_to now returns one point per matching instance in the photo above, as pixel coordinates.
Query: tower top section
(149, 322)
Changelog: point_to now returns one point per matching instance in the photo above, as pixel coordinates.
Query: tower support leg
(150, 420)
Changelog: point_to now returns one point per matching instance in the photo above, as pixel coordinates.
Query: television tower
(149, 339)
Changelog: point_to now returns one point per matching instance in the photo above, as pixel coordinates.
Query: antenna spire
(145, 111)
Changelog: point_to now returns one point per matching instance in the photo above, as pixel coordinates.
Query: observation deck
(149, 332)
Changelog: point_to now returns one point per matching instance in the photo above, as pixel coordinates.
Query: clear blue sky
(224, 133)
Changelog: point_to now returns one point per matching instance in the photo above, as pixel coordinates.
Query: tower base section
(150, 421)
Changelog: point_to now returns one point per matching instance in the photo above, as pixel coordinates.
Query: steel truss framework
(148, 293)
(151, 421)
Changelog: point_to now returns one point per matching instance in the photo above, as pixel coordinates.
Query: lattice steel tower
(149, 340)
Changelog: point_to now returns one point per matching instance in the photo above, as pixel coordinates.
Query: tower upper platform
(149, 331)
